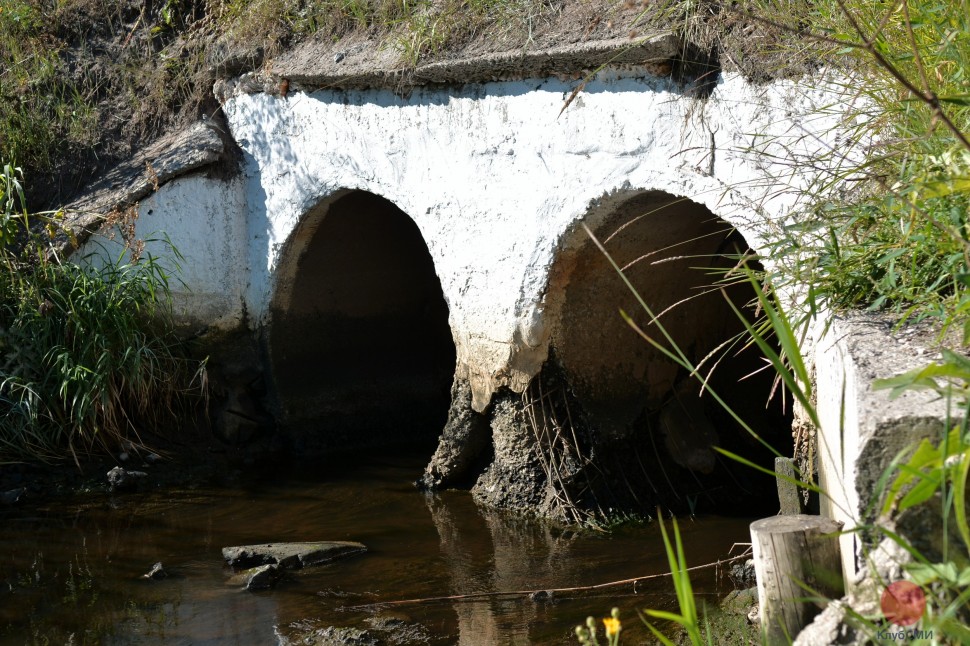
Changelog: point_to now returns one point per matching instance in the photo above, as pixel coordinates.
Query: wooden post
(789, 496)
(796, 559)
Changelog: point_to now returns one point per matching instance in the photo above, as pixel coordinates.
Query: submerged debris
(329, 636)
(13, 496)
(157, 572)
(383, 630)
(542, 596)
(122, 480)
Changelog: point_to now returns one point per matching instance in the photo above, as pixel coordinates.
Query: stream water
(70, 571)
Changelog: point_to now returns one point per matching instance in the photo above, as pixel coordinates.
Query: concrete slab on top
(317, 64)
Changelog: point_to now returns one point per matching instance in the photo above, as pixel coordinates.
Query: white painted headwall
(494, 176)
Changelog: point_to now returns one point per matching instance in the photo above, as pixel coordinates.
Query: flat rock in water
(291, 555)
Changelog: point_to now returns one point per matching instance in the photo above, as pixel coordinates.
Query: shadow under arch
(646, 419)
(358, 343)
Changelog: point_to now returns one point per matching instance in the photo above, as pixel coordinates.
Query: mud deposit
(71, 570)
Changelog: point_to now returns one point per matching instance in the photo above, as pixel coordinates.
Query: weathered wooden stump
(798, 565)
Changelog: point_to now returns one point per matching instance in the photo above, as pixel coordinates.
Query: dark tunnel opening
(649, 421)
(359, 344)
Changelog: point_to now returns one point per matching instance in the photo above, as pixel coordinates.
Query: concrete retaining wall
(863, 429)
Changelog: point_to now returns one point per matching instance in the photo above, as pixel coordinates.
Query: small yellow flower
(612, 626)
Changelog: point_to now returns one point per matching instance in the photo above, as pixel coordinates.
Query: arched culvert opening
(649, 428)
(360, 348)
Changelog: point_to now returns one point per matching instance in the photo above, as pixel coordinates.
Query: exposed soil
(140, 80)
(542, 454)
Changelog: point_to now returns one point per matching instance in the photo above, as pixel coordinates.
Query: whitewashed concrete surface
(204, 220)
(494, 177)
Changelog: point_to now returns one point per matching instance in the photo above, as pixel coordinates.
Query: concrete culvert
(359, 344)
(647, 428)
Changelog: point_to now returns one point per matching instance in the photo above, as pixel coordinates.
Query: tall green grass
(933, 472)
(89, 360)
(688, 619)
(890, 231)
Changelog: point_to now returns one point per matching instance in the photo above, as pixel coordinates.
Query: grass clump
(88, 357)
(276, 22)
(415, 29)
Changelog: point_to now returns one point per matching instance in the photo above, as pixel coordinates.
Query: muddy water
(70, 571)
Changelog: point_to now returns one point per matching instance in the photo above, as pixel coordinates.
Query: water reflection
(71, 571)
(491, 551)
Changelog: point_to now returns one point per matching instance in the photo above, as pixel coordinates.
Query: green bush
(898, 239)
